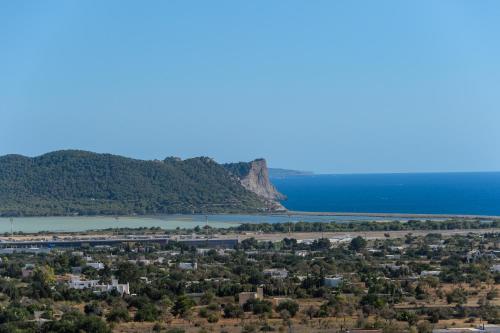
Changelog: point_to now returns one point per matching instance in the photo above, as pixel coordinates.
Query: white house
(188, 266)
(144, 262)
(76, 283)
(96, 265)
(277, 273)
(121, 288)
(332, 282)
(430, 273)
(302, 253)
(202, 251)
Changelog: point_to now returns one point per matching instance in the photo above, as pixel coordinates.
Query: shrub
(258, 306)
(213, 318)
(232, 311)
(291, 306)
(118, 314)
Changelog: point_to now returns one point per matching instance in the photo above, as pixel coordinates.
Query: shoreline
(280, 213)
(405, 215)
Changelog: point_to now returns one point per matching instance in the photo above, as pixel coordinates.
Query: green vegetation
(239, 169)
(385, 284)
(78, 182)
(452, 224)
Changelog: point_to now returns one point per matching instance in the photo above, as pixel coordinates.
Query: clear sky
(327, 86)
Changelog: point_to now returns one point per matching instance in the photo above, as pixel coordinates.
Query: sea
(470, 193)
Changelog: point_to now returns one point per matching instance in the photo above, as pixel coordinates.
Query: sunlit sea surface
(471, 193)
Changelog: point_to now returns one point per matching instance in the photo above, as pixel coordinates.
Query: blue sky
(327, 86)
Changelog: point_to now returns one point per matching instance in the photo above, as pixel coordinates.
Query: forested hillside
(86, 183)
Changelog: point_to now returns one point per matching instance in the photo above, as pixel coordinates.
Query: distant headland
(75, 182)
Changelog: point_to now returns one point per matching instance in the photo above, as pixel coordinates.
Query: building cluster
(94, 285)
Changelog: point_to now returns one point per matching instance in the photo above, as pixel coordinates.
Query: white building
(393, 256)
(188, 266)
(305, 241)
(337, 240)
(96, 265)
(121, 288)
(76, 283)
(430, 273)
(277, 273)
(332, 282)
(144, 262)
(302, 253)
(202, 251)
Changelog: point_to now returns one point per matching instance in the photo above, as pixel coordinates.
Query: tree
(291, 306)
(157, 327)
(148, 312)
(232, 311)
(118, 314)
(357, 244)
(93, 309)
(320, 244)
(456, 296)
(213, 317)
(13, 313)
(408, 316)
(311, 311)
(434, 317)
(182, 306)
(75, 322)
(207, 298)
(42, 281)
(249, 243)
(127, 272)
(424, 327)
(258, 306)
(285, 316)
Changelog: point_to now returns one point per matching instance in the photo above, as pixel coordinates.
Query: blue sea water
(413, 193)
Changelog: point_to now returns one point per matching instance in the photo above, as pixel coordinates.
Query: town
(209, 280)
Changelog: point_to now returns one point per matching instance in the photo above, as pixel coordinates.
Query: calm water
(432, 193)
(80, 223)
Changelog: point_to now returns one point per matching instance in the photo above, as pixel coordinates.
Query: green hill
(79, 182)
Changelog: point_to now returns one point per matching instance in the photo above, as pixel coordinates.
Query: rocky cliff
(254, 176)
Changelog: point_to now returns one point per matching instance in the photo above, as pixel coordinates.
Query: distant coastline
(281, 213)
(278, 173)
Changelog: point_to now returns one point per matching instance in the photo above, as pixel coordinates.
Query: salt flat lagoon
(84, 223)
(167, 222)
